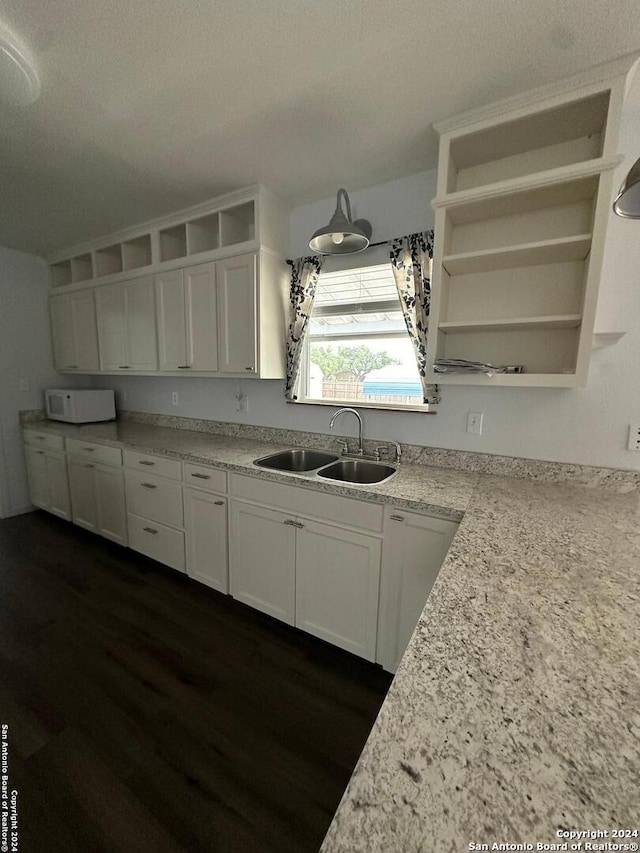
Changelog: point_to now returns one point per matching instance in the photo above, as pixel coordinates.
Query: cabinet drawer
(299, 501)
(153, 497)
(96, 452)
(44, 439)
(157, 541)
(160, 465)
(202, 477)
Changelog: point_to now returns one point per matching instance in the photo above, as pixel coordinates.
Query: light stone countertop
(516, 708)
(438, 491)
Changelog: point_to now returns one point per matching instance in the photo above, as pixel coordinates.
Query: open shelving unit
(201, 234)
(524, 188)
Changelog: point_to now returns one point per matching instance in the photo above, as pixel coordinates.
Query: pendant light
(19, 81)
(627, 203)
(341, 236)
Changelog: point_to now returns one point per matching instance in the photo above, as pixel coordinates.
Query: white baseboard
(19, 510)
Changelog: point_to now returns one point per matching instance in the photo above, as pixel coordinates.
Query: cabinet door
(337, 583)
(172, 330)
(110, 311)
(38, 477)
(58, 484)
(202, 317)
(83, 493)
(111, 515)
(85, 330)
(414, 549)
(141, 335)
(237, 314)
(206, 538)
(63, 333)
(262, 560)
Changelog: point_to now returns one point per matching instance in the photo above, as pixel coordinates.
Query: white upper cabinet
(212, 297)
(188, 319)
(172, 329)
(524, 194)
(201, 316)
(74, 332)
(127, 326)
(237, 314)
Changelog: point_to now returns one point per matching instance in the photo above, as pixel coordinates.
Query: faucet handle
(343, 443)
(380, 451)
(398, 451)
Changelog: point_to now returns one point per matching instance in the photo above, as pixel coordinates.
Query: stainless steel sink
(358, 471)
(299, 459)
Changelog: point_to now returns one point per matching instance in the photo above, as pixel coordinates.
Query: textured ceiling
(153, 105)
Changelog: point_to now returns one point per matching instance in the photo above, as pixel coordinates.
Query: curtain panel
(304, 281)
(411, 265)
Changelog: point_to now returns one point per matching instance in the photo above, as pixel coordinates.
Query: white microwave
(79, 406)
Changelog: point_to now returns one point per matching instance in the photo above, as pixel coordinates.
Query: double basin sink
(328, 466)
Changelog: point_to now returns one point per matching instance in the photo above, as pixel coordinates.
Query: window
(357, 348)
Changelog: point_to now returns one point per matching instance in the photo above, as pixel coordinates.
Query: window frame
(339, 308)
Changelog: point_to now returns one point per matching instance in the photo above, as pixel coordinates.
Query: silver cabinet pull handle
(396, 517)
(89, 465)
(151, 530)
(41, 437)
(219, 503)
(146, 462)
(148, 485)
(89, 449)
(72, 367)
(201, 476)
(293, 523)
(184, 367)
(248, 368)
(40, 452)
(124, 367)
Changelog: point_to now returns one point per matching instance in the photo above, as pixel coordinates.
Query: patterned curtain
(304, 280)
(410, 262)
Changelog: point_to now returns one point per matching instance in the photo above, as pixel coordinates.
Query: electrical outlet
(474, 423)
(242, 402)
(174, 398)
(634, 437)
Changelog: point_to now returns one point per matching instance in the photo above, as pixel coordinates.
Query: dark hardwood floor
(149, 713)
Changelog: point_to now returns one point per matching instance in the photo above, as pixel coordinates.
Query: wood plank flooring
(149, 713)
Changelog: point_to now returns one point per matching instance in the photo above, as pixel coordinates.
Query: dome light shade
(341, 236)
(627, 203)
(19, 81)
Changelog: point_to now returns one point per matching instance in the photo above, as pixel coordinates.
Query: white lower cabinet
(337, 581)
(154, 507)
(350, 572)
(414, 549)
(311, 573)
(205, 521)
(97, 498)
(48, 481)
(262, 559)
(156, 540)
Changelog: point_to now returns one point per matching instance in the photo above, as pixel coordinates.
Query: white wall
(26, 366)
(587, 426)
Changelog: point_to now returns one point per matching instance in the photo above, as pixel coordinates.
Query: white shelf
(519, 380)
(109, 260)
(525, 254)
(606, 339)
(518, 195)
(556, 321)
(136, 253)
